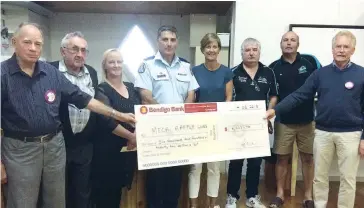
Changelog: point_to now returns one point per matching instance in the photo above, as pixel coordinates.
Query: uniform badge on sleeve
(142, 68)
(50, 96)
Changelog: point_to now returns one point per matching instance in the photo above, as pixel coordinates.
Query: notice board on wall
(317, 40)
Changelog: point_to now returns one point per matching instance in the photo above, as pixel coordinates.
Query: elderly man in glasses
(78, 124)
(252, 81)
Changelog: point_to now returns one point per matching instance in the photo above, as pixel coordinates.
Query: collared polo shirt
(168, 83)
(262, 87)
(30, 105)
(78, 117)
(290, 77)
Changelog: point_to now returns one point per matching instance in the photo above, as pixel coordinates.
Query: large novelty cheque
(181, 134)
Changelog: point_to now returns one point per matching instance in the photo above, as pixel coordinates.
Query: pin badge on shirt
(141, 68)
(349, 85)
(50, 96)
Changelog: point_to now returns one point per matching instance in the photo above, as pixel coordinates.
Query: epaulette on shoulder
(183, 60)
(149, 58)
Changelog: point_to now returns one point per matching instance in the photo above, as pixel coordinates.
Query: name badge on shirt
(161, 76)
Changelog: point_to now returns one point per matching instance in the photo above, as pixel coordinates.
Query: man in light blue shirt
(165, 79)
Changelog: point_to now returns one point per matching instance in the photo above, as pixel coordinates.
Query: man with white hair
(78, 124)
(32, 149)
(340, 90)
(252, 81)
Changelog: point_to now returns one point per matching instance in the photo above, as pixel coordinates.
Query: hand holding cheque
(181, 134)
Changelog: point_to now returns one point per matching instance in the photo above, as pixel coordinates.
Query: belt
(41, 138)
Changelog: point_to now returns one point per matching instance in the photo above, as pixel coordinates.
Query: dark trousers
(78, 170)
(163, 187)
(109, 197)
(252, 177)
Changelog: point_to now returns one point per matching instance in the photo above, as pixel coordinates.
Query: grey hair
(167, 28)
(250, 41)
(346, 33)
(68, 36)
(17, 31)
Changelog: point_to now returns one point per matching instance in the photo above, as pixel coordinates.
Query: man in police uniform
(165, 79)
(292, 70)
(78, 124)
(252, 81)
(33, 150)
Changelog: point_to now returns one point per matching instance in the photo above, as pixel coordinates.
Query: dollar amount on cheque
(181, 134)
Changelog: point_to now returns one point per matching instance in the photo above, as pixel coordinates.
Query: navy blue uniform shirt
(212, 83)
(30, 105)
(340, 98)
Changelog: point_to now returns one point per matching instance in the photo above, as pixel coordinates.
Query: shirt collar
(175, 60)
(62, 68)
(241, 66)
(298, 57)
(15, 68)
(347, 65)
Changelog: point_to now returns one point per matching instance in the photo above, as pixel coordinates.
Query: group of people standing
(56, 153)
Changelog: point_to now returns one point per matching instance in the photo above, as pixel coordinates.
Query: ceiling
(139, 7)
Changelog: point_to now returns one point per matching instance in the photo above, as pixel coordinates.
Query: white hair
(250, 41)
(346, 33)
(68, 36)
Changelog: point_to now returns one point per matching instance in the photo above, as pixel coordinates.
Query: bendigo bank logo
(143, 110)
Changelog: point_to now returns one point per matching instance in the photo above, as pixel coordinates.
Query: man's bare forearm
(100, 108)
(190, 97)
(272, 102)
(147, 97)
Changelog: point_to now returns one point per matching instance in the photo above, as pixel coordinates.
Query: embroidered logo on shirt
(242, 79)
(50, 96)
(262, 80)
(302, 70)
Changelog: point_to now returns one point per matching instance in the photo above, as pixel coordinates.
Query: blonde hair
(346, 33)
(104, 57)
(209, 38)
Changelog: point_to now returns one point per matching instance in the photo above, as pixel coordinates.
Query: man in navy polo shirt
(33, 150)
(340, 90)
(252, 81)
(292, 70)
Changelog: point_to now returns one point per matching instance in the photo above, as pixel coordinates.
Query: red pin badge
(50, 96)
(349, 85)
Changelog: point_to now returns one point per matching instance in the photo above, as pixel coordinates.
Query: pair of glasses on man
(76, 49)
(255, 84)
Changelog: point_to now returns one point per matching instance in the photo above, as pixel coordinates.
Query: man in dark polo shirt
(78, 124)
(33, 150)
(252, 81)
(292, 70)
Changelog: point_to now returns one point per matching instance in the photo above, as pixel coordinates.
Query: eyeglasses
(76, 49)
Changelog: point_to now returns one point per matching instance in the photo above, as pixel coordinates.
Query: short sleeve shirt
(262, 87)
(169, 83)
(212, 83)
(290, 77)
